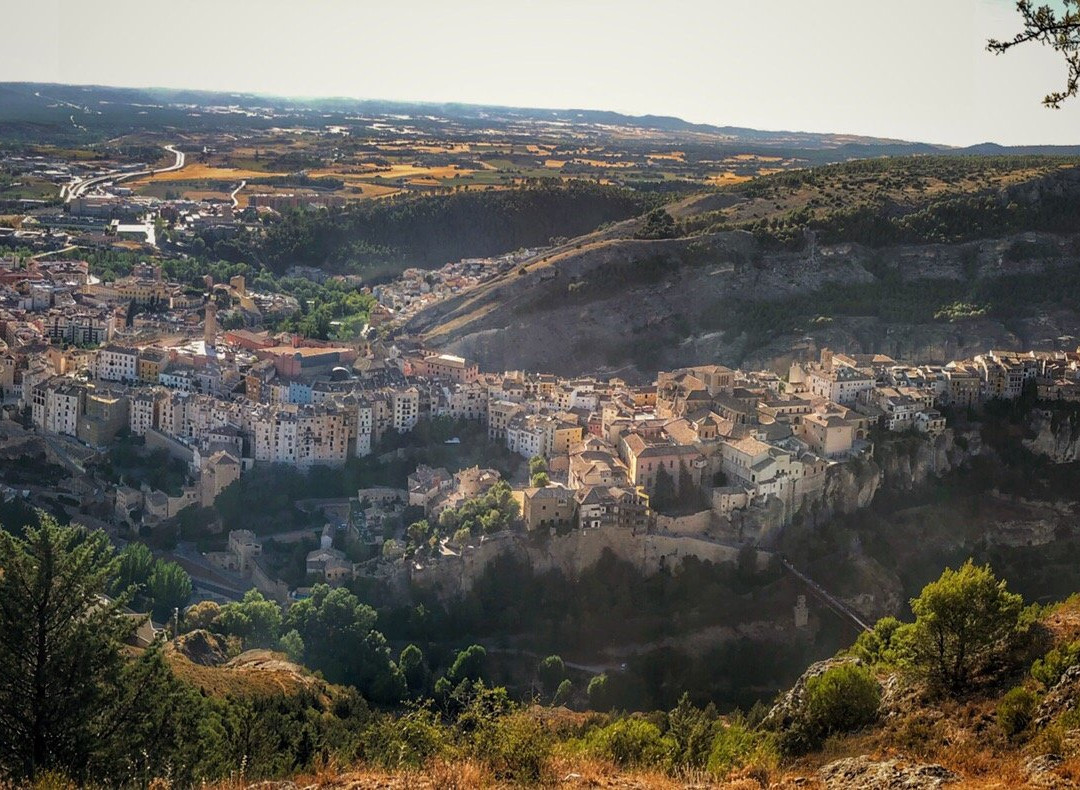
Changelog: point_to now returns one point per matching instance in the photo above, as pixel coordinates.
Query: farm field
(294, 160)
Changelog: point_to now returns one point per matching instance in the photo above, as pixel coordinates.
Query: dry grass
(252, 674)
(393, 172)
(1063, 621)
(961, 736)
(727, 178)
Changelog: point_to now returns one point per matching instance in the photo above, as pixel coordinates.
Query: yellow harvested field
(727, 177)
(394, 172)
(200, 172)
(554, 164)
(368, 190)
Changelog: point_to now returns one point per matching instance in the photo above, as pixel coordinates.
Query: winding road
(79, 186)
(235, 192)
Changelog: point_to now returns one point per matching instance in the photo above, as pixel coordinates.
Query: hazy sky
(913, 69)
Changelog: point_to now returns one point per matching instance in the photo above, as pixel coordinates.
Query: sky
(908, 69)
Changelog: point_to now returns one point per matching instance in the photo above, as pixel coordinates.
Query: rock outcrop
(634, 306)
(1062, 698)
(865, 773)
(1042, 771)
(791, 703)
(1055, 434)
(201, 647)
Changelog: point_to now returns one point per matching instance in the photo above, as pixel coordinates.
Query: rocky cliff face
(899, 464)
(635, 306)
(1055, 434)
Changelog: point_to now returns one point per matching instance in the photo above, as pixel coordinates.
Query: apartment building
(405, 409)
(300, 436)
(117, 363)
(839, 383)
(449, 367)
(57, 405)
(364, 428)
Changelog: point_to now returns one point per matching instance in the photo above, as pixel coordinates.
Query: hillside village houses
(224, 401)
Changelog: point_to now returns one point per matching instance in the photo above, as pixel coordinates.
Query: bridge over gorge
(823, 595)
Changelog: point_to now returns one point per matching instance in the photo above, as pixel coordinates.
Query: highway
(79, 186)
(235, 192)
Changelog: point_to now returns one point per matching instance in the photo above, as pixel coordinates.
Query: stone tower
(210, 327)
(802, 614)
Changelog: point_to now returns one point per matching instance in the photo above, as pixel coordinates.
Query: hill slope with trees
(976, 685)
(379, 238)
(922, 258)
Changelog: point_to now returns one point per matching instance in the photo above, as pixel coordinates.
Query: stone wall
(693, 524)
(572, 555)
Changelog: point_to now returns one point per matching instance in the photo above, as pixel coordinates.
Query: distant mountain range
(48, 112)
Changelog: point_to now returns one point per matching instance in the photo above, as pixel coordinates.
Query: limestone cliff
(1055, 434)
(635, 306)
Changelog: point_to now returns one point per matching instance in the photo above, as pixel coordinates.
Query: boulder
(865, 773)
(1041, 771)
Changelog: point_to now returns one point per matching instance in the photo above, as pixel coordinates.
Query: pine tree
(69, 700)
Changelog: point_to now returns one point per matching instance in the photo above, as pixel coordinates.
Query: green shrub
(409, 740)
(1015, 711)
(842, 699)
(629, 742)
(516, 748)
(1049, 669)
(691, 731)
(879, 645)
(730, 749)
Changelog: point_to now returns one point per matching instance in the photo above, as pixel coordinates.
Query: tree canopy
(69, 700)
(963, 622)
(1058, 29)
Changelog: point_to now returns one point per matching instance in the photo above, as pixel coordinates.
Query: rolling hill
(921, 258)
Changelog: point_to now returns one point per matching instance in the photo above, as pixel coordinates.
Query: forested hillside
(385, 235)
(975, 685)
(904, 200)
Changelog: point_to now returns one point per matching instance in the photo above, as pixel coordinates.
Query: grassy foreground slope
(979, 690)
